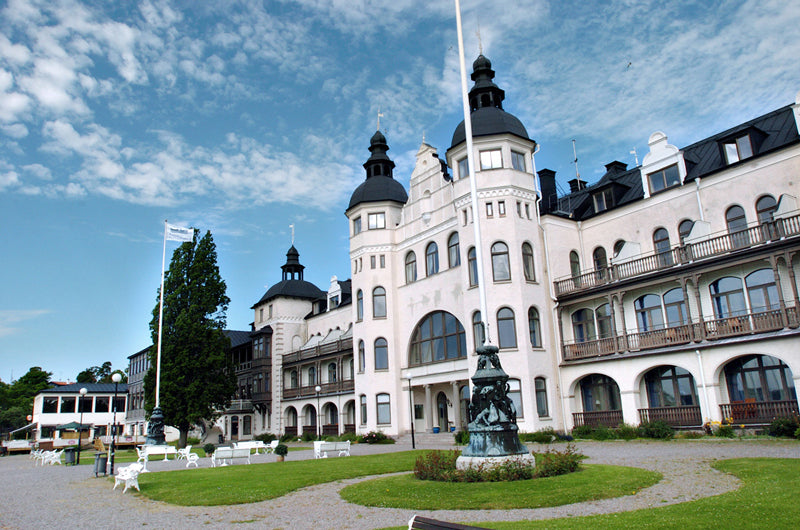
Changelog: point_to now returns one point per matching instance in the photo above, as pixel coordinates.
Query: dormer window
(738, 149)
(491, 159)
(377, 220)
(334, 302)
(663, 179)
(603, 200)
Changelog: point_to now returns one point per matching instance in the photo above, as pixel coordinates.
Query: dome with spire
(292, 285)
(379, 185)
(486, 107)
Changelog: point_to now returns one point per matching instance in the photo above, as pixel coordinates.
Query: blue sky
(245, 117)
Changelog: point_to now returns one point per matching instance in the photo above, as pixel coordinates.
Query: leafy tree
(16, 399)
(197, 377)
(99, 374)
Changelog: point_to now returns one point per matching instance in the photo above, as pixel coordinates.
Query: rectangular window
(102, 404)
(363, 410)
(383, 261)
(663, 179)
(50, 405)
(501, 208)
(119, 403)
(519, 208)
(738, 149)
(603, 200)
(466, 218)
(463, 168)
(372, 262)
(357, 225)
(270, 310)
(419, 412)
(377, 221)
(85, 404)
(489, 209)
(527, 210)
(384, 410)
(491, 159)
(517, 161)
(67, 405)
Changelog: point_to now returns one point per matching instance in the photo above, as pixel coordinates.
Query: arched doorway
(330, 419)
(441, 406)
(601, 402)
(671, 397)
(760, 388)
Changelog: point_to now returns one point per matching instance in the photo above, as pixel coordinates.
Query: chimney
(547, 183)
(616, 167)
(576, 185)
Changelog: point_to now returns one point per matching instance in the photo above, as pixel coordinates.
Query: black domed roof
(293, 285)
(486, 107)
(379, 185)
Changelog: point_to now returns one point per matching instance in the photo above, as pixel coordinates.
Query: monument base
(488, 462)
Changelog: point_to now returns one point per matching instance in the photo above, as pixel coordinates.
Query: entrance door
(235, 428)
(441, 405)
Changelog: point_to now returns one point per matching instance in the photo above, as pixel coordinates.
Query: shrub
(797, 433)
(554, 463)
(783, 427)
(308, 437)
(725, 431)
(192, 440)
(348, 437)
(583, 431)
(208, 449)
(603, 433)
(265, 437)
(689, 435)
(626, 432)
(436, 465)
(562, 437)
(281, 450)
(543, 436)
(288, 437)
(461, 437)
(376, 437)
(441, 466)
(658, 429)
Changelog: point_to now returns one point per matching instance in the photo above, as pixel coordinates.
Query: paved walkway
(61, 496)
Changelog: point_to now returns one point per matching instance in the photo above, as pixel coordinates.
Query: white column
(428, 409)
(456, 406)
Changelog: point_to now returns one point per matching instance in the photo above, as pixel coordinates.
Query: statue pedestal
(488, 462)
(155, 428)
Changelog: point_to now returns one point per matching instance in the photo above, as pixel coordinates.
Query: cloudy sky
(243, 117)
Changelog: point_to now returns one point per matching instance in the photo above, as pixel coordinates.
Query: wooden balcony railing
(746, 324)
(690, 252)
(758, 412)
(339, 387)
(240, 405)
(329, 348)
(683, 416)
(600, 418)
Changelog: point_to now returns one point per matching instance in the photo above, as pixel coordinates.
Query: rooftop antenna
(635, 156)
(575, 154)
(480, 41)
(292, 227)
(380, 115)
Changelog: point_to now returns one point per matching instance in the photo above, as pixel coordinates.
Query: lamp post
(319, 428)
(82, 392)
(116, 378)
(411, 405)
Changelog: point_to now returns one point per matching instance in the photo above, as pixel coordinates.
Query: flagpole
(473, 186)
(160, 318)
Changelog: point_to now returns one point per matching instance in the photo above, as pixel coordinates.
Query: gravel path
(60, 496)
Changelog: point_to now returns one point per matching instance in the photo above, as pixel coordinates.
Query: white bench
(129, 476)
(166, 450)
(228, 454)
(321, 449)
(251, 444)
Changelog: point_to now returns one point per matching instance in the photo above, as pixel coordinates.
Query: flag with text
(178, 233)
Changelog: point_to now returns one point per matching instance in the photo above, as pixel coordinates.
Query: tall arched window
(727, 297)
(761, 290)
(431, 259)
(362, 357)
(527, 262)
(575, 266)
(363, 405)
(737, 226)
(583, 325)
(600, 262)
(534, 326)
(331, 372)
(542, 410)
(477, 329)
(411, 267)
(670, 386)
(360, 305)
(472, 265)
(379, 302)
(501, 270)
(603, 315)
(312, 376)
(293, 383)
(765, 208)
(662, 247)
(618, 246)
(599, 392)
(675, 306)
(684, 229)
(453, 253)
(759, 378)
(438, 337)
(381, 354)
(506, 328)
(648, 312)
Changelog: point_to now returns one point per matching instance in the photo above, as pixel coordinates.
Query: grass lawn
(592, 482)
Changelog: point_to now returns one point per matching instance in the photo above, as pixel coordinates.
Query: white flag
(178, 233)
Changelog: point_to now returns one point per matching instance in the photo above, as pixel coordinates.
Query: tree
(197, 377)
(16, 399)
(99, 374)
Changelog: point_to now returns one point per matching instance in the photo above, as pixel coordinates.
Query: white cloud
(10, 319)
(39, 171)
(15, 130)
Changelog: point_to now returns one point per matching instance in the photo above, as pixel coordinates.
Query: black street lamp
(82, 392)
(319, 429)
(411, 405)
(116, 378)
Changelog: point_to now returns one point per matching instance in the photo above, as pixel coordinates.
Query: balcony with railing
(714, 246)
(329, 348)
(240, 405)
(598, 418)
(338, 387)
(750, 323)
(680, 416)
(758, 412)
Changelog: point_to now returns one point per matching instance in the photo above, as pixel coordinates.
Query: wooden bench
(223, 454)
(251, 444)
(321, 449)
(17, 446)
(425, 523)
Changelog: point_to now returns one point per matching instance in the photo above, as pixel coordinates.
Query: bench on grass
(426, 523)
(321, 449)
(153, 450)
(227, 455)
(251, 444)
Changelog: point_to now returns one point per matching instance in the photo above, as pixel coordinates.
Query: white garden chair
(129, 476)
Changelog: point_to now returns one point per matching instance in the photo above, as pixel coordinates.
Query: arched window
(574, 265)
(363, 405)
(542, 410)
(583, 325)
(662, 247)
(515, 395)
(411, 267)
(534, 327)
(472, 265)
(759, 378)
(383, 409)
(331, 372)
(761, 290)
(618, 247)
(600, 262)
(438, 337)
(379, 302)
(506, 328)
(765, 208)
(312, 376)
(291, 417)
(727, 297)
(648, 312)
(362, 358)
(670, 386)
(360, 305)
(500, 268)
(431, 259)
(453, 253)
(737, 226)
(381, 354)
(293, 379)
(477, 329)
(603, 315)
(675, 306)
(684, 229)
(599, 393)
(527, 262)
